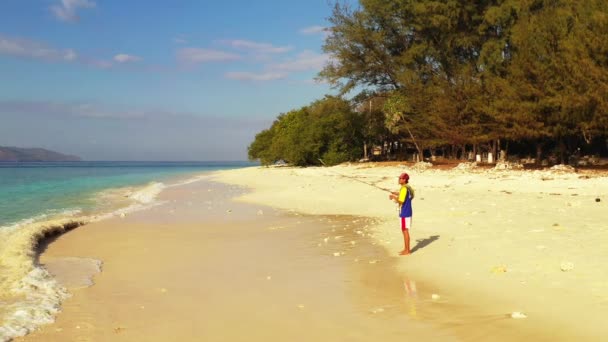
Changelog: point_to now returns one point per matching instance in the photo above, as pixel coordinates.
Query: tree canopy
(452, 75)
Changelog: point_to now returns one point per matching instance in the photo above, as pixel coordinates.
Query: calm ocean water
(29, 190)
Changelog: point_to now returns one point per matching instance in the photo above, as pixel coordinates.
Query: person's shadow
(424, 242)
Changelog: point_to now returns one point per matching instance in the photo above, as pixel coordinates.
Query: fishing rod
(358, 180)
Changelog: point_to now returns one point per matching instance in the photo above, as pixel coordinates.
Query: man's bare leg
(406, 242)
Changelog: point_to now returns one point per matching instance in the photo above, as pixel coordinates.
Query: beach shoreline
(546, 289)
(292, 286)
(30, 296)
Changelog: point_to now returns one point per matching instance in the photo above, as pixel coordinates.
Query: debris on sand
(499, 269)
(566, 266)
(518, 315)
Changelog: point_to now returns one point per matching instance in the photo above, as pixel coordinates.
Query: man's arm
(398, 197)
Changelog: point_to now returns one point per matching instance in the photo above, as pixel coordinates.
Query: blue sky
(155, 80)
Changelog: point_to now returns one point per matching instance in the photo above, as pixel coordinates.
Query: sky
(155, 80)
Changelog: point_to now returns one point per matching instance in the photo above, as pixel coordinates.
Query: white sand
(507, 241)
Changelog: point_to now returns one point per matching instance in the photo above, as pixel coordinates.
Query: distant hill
(16, 154)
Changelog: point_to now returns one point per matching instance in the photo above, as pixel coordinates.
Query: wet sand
(202, 267)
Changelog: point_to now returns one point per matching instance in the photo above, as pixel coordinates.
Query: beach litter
(566, 266)
(499, 269)
(518, 315)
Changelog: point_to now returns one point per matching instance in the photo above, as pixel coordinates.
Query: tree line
(527, 77)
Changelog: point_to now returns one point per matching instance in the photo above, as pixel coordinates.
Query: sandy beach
(499, 242)
(311, 253)
(200, 265)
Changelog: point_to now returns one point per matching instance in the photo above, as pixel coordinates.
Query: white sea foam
(65, 213)
(30, 296)
(189, 180)
(42, 296)
(148, 193)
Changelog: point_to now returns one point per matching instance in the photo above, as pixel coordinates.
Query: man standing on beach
(404, 197)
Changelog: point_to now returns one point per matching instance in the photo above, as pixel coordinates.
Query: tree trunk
(562, 151)
(415, 144)
(539, 153)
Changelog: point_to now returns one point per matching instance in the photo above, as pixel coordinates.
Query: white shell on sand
(122, 215)
(435, 296)
(518, 315)
(337, 254)
(377, 310)
(567, 266)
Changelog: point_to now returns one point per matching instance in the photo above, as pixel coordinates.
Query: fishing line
(358, 180)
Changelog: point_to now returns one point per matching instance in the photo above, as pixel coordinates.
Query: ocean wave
(148, 193)
(30, 296)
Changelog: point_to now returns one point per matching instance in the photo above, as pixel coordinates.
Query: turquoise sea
(32, 190)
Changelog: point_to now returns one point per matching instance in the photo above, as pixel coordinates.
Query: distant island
(16, 154)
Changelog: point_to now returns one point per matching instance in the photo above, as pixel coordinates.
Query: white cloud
(70, 55)
(250, 76)
(18, 47)
(305, 61)
(30, 49)
(256, 47)
(59, 109)
(66, 9)
(196, 55)
(314, 30)
(124, 58)
(98, 63)
(180, 40)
